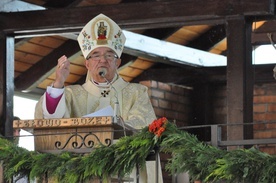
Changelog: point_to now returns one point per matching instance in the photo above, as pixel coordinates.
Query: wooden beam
(151, 14)
(59, 4)
(208, 39)
(259, 39)
(239, 79)
(169, 53)
(38, 72)
(268, 26)
(214, 75)
(7, 86)
(265, 34)
(161, 33)
(167, 75)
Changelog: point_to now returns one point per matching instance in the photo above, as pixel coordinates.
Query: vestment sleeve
(51, 104)
(141, 112)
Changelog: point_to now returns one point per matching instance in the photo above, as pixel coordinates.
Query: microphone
(102, 73)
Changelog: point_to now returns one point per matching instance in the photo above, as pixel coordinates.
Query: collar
(105, 84)
(94, 89)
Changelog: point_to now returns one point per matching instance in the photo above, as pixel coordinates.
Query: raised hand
(62, 72)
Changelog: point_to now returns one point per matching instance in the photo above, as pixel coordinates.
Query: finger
(65, 64)
(62, 59)
(61, 65)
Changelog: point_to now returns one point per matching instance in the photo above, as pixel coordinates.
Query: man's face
(100, 58)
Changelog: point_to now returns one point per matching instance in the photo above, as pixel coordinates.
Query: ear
(118, 62)
(86, 63)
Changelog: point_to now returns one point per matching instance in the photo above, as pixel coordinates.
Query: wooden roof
(42, 36)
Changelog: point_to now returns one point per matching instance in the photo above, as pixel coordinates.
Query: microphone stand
(116, 118)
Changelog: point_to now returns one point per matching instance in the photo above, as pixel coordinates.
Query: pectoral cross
(105, 93)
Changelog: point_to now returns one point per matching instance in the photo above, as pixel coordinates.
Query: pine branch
(200, 160)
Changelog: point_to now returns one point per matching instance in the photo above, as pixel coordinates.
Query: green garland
(201, 161)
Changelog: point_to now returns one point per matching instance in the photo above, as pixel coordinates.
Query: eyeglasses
(108, 56)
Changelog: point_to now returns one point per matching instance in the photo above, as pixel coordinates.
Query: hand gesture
(62, 72)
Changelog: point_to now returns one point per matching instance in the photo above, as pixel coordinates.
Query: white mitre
(101, 31)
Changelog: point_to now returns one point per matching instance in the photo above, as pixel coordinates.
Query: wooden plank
(175, 38)
(21, 66)
(48, 41)
(126, 78)
(47, 82)
(198, 28)
(77, 59)
(77, 69)
(219, 47)
(62, 122)
(131, 72)
(34, 49)
(43, 85)
(142, 64)
(26, 57)
(72, 78)
(189, 34)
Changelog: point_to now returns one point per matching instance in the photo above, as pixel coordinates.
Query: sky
(24, 109)
(265, 54)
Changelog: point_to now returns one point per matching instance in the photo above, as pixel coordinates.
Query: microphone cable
(102, 73)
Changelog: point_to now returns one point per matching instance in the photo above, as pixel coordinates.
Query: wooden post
(6, 84)
(239, 78)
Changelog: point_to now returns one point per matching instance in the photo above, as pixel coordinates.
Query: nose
(103, 57)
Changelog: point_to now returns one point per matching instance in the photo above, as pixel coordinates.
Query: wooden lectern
(79, 135)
